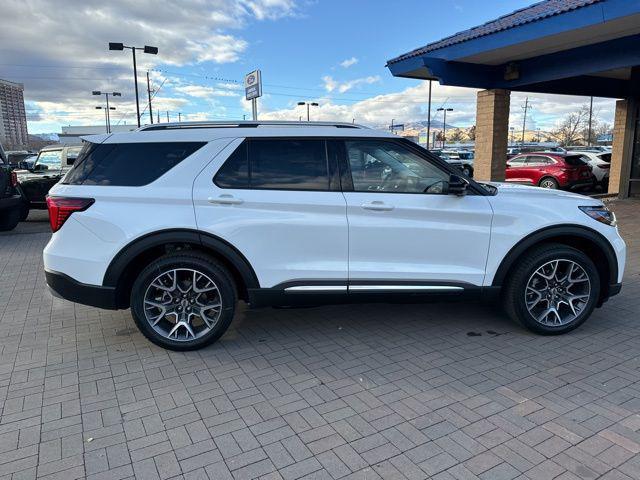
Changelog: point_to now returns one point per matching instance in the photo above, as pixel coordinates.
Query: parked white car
(179, 221)
(600, 165)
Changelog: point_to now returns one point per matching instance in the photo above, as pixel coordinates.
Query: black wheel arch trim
(556, 231)
(162, 237)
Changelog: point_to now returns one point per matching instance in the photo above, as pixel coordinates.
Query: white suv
(179, 221)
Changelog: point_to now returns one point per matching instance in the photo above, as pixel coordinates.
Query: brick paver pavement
(445, 391)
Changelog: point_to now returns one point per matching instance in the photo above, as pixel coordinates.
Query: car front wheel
(553, 289)
(183, 300)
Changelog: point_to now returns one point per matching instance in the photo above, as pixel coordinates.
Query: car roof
(208, 131)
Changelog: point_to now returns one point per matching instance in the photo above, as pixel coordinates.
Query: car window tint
(384, 166)
(288, 164)
(605, 157)
(52, 159)
(574, 160)
(127, 164)
(517, 161)
(234, 173)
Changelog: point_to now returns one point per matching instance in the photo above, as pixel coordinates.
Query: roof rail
(245, 124)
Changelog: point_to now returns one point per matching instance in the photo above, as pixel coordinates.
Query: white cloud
(349, 62)
(344, 86)
(200, 91)
(59, 50)
(410, 105)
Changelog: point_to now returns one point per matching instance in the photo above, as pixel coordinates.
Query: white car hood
(538, 193)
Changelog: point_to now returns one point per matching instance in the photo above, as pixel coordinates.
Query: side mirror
(23, 165)
(457, 185)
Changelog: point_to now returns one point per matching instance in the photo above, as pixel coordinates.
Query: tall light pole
(107, 121)
(309, 104)
(429, 116)
(107, 108)
(444, 124)
(145, 49)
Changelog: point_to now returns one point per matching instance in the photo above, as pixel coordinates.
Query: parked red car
(550, 170)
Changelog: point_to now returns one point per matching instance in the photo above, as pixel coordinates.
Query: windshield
(50, 159)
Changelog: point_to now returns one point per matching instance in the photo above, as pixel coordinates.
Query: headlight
(601, 214)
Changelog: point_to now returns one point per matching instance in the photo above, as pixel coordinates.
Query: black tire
(24, 212)
(515, 287)
(9, 219)
(202, 264)
(549, 182)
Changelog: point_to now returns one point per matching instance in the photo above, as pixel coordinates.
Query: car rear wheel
(24, 212)
(553, 290)
(9, 219)
(549, 182)
(183, 301)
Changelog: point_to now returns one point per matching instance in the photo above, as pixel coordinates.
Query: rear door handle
(377, 206)
(225, 200)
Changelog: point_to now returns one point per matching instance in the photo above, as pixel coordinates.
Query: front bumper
(63, 286)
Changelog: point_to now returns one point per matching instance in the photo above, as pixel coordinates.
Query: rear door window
(127, 164)
(277, 164)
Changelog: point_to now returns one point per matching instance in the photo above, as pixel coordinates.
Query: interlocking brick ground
(359, 392)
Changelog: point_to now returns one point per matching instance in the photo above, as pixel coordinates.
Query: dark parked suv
(9, 198)
(34, 183)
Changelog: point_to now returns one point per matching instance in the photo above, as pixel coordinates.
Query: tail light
(14, 179)
(61, 208)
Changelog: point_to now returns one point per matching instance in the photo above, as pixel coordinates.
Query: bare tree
(569, 129)
(472, 133)
(455, 135)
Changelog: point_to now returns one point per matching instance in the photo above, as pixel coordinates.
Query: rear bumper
(10, 202)
(581, 184)
(63, 286)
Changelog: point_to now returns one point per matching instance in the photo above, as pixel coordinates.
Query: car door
(405, 231)
(46, 172)
(278, 201)
(517, 170)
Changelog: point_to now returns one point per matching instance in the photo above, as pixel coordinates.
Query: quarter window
(127, 164)
(383, 166)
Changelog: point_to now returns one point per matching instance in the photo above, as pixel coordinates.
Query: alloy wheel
(182, 304)
(548, 183)
(557, 292)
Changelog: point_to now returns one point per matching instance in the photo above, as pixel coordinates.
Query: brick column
(623, 129)
(492, 134)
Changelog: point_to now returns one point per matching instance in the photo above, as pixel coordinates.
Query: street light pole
(309, 104)
(444, 125)
(429, 116)
(107, 108)
(145, 49)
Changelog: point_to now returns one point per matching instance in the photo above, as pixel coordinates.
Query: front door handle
(225, 200)
(377, 206)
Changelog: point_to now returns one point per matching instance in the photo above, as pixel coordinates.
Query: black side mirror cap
(457, 185)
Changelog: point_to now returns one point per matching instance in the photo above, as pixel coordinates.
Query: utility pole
(158, 115)
(149, 97)
(167, 116)
(524, 120)
(429, 116)
(391, 127)
(590, 117)
(179, 117)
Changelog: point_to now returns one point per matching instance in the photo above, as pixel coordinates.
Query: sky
(326, 51)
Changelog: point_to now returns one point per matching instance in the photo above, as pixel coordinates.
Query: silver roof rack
(245, 124)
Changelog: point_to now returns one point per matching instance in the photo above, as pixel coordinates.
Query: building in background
(13, 119)
(72, 134)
